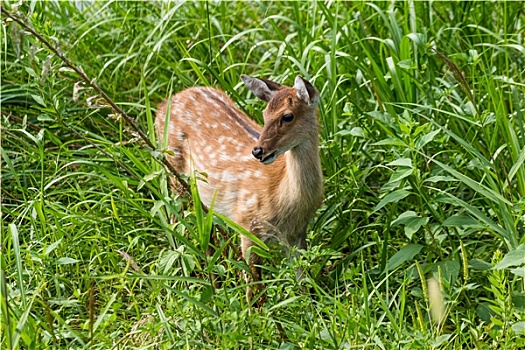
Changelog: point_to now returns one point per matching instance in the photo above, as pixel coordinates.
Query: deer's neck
(301, 188)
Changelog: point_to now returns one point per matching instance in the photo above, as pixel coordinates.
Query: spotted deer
(267, 179)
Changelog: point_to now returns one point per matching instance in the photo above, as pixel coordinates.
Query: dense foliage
(423, 150)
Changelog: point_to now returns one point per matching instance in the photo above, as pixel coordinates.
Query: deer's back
(208, 133)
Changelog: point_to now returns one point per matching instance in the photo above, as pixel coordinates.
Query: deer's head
(290, 119)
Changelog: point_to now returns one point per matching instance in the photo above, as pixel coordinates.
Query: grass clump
(422, 151)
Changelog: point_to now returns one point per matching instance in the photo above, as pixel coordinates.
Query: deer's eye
(287, 118)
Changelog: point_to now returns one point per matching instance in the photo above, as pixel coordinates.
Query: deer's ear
(262, 88)
(306, 91)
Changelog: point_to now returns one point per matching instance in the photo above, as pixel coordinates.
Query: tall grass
(423, 151)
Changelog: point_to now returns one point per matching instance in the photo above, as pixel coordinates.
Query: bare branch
(93, 84)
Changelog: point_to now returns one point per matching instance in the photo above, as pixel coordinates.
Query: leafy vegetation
(423, 150)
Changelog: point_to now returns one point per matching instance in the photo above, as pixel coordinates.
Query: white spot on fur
(225, 139)
(229, 177)
(246, 158)
(223, 157)
(239, 147)
(243, 193)
(251, 201)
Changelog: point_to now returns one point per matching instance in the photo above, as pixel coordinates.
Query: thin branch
(94, 85)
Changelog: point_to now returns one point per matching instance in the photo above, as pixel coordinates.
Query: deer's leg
(268, 232)
(300, 244)
(255, 276)
(210, 251)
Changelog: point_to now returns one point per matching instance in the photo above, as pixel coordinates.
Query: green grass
(423, 151)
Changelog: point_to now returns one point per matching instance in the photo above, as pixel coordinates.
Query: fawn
(270, 195)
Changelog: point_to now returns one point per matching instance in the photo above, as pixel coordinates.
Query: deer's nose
(257, 152)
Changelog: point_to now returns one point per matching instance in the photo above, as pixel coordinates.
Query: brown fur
(210, 134)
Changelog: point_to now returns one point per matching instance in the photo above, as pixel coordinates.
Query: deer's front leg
(255, 271)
